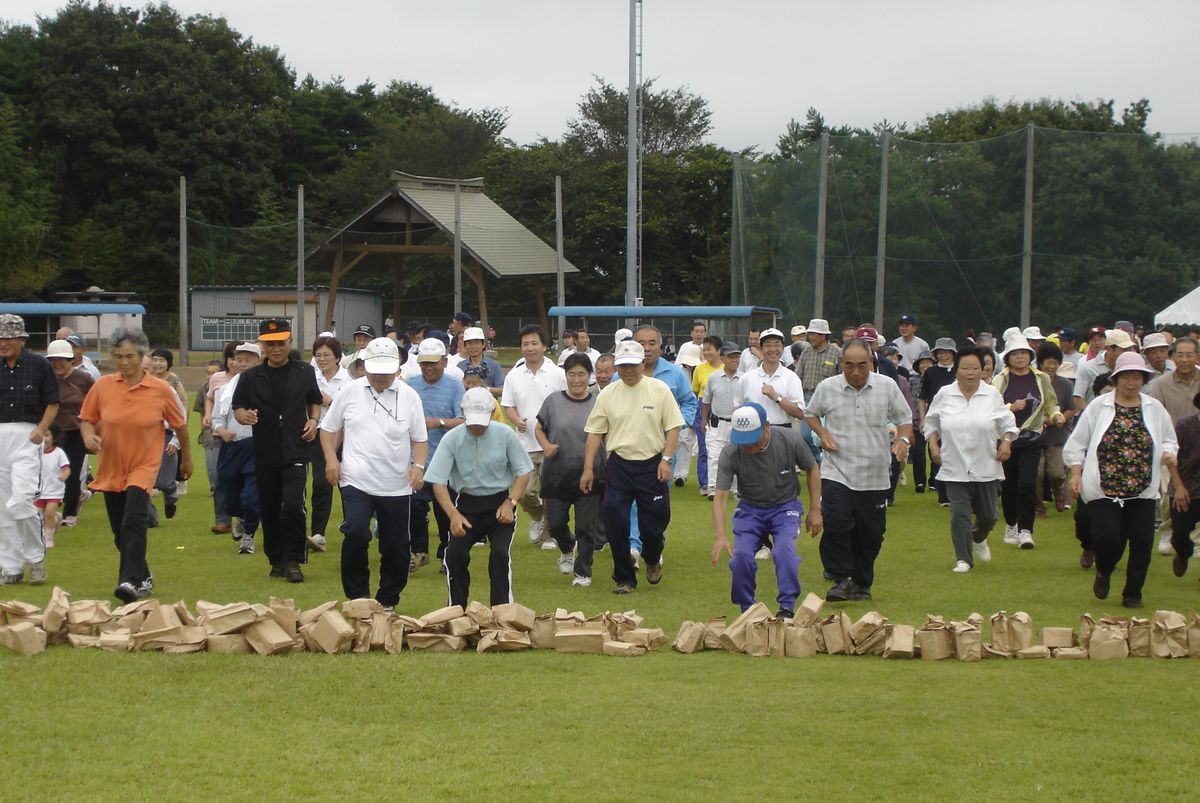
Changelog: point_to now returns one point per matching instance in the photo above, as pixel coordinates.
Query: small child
(55, 470)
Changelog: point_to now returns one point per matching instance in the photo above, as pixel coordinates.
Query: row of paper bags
(1166, 635)
(360, 625)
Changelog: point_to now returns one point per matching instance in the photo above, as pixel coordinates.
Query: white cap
(1151, 341)
(63, 350)
(770, 331)
(629, 352)
(250, 348)
(1033, 333)
(797, 330)
(473, 333)
(819, 326)
(431, 350)
(689, 354)
(622, 334)
(478, 407)
(381, 356)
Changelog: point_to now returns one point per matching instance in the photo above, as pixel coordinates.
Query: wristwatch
(907, 442)
(664, 457)
(441, 423)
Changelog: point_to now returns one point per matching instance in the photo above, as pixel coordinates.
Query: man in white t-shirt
(525, 388)
(908, 344)
(776, 388)
(380, 424)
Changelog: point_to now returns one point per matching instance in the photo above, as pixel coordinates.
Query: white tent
(1184, 312)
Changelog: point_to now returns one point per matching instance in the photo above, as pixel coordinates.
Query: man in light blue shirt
(488, 467)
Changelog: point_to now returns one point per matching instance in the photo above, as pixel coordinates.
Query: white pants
(715, 439)
(684, 449)
(20, 529)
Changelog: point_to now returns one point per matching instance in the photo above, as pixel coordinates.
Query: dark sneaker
(919, 488)
(840, 592)
(1132, 602)
(1100, 586)
(278, 570)
(1179, 564)
(126, 592)
(785, 613)
(654, 573)
(679, 481)
(859, 593)
(169, 507)
(1086, 558)
(624, 588)
(293, 573)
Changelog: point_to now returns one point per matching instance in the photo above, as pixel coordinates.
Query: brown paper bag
(513, 616)
(1056, 637)
(285, 615)
(799, 642)
(114, 642)
(623, 648)
(311, 615)
(809, 611)
(480, 614)
(88, 613)
(462, 626)
(436, 642)
(24, 638)
(1193, 634)
(733, 638)
(542, 635)
(162, 617)
(54, 618)
(228, 619)
(379, 630)
(1020, 631)
(968, 640)
(362, 635)
(231, 644)
(81, 641)
(1038, 651)
(990, 652)
(1001, 641)
(362, 608)
(1168, 635)
(713, 629)
(578, 639)
(1107, 643)
(331, 633)
(15, 607)
(1071, 653)
(143, 606)
(900, 641)
(1086, 625)
(936, 644)
(652, 638)
(835, 630)
(758, 639)
(512, 641)
(1139, 638)
(266, 637)
(393, 641)
(146, 640)
(622, 623)
(192, 638)
(690, 638)
(868, 634)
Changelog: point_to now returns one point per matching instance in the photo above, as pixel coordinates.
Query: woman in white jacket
(1119, 446)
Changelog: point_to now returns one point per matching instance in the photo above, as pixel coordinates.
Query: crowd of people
(423, 423)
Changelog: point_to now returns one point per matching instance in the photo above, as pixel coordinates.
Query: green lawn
(534, 726)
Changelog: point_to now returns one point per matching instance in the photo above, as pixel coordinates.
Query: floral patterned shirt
(1125, 455)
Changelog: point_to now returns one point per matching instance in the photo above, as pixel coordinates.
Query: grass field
(536, 726)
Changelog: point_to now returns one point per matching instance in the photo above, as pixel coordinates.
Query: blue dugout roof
(661, 312)
(82, 308)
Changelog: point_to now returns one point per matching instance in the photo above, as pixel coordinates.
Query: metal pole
(457, 247)
(881, 242)
(558, 247)
(631, 232)
(822, 198)
(735, 251)
(1027, 246)
(299, 327)
(183, 273)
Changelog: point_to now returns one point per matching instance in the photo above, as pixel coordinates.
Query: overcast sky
(759, 63)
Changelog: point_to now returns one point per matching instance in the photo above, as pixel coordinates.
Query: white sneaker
(550, 545)
(566, 563)
(903, 480)
(762, 554)
(983, 553)
(1164, 544)
(1010, 533)
(535, 531)
(637, 556)
(316, 542)
(1025, 539)
(582, 582)
(961, 567)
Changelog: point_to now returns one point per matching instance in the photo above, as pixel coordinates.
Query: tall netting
(1115, 223)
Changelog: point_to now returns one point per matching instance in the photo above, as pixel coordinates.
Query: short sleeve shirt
(858, 420)
(479, 465)
(442, 399)
(562, 419)
(768, 478)
(130, 423)
(785, 382)
(635, 418)
(378, 429)
(526, 390)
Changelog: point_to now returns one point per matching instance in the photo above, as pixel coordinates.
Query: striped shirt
(858, 420)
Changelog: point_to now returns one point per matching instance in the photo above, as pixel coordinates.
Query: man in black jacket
(281, 400)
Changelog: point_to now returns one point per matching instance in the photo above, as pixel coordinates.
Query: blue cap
(748, 422)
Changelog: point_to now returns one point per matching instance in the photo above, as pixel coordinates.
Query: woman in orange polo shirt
(122, 420)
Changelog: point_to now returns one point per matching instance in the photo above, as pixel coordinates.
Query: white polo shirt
(786, 384)
(526, 390)
(378, 430)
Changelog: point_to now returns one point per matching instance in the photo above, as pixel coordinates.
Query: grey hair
(651, 327)
(134, 337)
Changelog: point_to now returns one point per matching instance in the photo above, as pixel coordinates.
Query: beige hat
(431, 350)
(473, 333)
(60, 349)
(689, 355)
(798, 330)
(478, 407)
(1119, 338)
(629, 352)
(1154, 340)
(249, 348)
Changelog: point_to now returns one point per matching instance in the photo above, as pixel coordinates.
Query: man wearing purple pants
(763, 460)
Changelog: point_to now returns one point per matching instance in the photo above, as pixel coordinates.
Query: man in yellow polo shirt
(639, 421)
